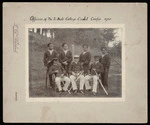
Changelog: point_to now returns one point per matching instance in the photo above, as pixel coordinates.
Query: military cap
(85, 45)
(76, 56)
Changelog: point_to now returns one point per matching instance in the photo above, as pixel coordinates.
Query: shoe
(89, 90)
(68, 92)
(94, 93)
(75, 91)
(81, 91)
(63, 91)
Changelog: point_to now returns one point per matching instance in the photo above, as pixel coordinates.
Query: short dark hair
(49, 44)
(64, 44)
(104, 48)
(85, 45)
(96, 56)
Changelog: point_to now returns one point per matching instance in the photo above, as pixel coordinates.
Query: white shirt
(96, 62)
(75, 62)
(84, 52)
(50, 51)
(104, 55)
(65, 51)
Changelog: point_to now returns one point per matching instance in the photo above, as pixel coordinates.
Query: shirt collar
(104, 54)
(96, 62)
(65, 51)
(85, 52)
(76, 62)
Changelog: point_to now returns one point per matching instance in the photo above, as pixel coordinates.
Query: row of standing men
(65, 69)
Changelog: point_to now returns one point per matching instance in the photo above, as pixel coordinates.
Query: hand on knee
(72, 77)
(57, 80)
(67, 80)
(95, 78)
(86, 78)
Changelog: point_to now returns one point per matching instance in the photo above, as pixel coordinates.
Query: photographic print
(75, 62)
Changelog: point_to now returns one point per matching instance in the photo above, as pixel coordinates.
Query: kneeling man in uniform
(95, 70)
(58, 71)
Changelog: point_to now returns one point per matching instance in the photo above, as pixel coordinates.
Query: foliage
(116, 50)
(94, 37)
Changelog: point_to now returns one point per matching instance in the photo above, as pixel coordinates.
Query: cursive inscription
(15, 38)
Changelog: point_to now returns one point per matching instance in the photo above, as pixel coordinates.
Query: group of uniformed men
(69, 72)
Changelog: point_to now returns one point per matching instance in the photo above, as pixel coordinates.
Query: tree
(94, 37)
(109, 35)
(115, 51)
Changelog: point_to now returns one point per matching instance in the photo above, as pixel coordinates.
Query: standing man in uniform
(49, 55)
(57, 70)
(65, 57)
(85, 58)
(105, 61)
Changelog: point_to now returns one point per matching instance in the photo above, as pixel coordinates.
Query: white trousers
(95, 81)
(58, 81)
(73, 82)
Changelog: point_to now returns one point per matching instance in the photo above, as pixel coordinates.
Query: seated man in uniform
(76, 71)
(95, 69)
(57, 70)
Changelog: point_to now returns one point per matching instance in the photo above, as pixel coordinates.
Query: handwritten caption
(15, 38)
(84, 18)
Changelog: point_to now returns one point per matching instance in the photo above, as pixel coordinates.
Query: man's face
(85, 48)
(76, 59)
(96, 59)
(104, 51)
(55, 61)
(50, 46)
(65, 47)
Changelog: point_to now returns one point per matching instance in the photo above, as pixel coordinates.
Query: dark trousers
(86, 68)
(104, 77)
(50, 76)
(66, 67)
(50, 80)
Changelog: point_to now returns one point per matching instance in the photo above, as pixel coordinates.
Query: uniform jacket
(65, 57)
(85, 59)
(75, 67)
(105, 61)
(55, 67)
(98, 66)
(48, 57)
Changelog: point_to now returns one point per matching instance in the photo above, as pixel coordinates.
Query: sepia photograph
(75, 62)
